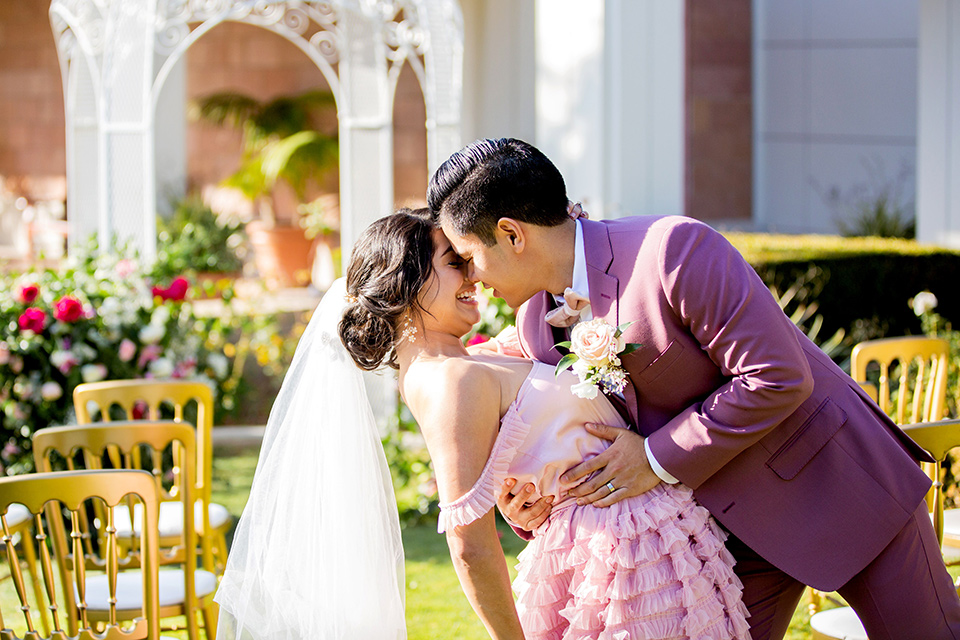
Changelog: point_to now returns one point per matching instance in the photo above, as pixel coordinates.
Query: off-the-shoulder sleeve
(482, 497)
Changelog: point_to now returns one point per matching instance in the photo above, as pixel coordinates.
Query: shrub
(863, 281)
(194, 239)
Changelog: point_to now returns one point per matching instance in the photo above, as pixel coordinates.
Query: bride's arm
(478, 559)
(461, 418)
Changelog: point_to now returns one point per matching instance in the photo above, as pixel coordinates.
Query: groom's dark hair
(491, 179)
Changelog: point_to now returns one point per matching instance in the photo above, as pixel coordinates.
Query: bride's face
(448, 298)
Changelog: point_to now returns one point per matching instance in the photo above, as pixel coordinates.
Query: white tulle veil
(317, 554)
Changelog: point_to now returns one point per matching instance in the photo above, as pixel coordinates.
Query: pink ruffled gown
(652, 566)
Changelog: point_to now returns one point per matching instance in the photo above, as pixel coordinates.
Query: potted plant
(282, 144)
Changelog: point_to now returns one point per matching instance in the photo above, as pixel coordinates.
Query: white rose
(51, 391)
(594, 342)
(93, 372)
(151, 334)
(220, 365)
(923, 302)
(161, 367)
(584, 390)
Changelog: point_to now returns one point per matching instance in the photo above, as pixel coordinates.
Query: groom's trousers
(904, 594)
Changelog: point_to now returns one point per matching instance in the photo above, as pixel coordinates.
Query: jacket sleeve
(725, 306)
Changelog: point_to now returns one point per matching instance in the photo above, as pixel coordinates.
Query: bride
(317, 552)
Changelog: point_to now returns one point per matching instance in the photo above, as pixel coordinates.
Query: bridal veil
(317, 554)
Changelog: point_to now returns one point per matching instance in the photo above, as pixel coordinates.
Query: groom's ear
(513, 233)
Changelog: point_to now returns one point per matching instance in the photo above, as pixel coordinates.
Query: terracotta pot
(283, 255)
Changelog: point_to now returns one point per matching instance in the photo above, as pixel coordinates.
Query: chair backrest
(123, 444)
(921, 391)
(72, 491)
(937, 438)
(126, 394)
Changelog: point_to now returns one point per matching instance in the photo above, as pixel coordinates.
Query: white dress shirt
(582, 286)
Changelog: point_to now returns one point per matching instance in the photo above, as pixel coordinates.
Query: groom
(815, 485)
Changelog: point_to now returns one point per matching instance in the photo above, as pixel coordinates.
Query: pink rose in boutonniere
(595, 349)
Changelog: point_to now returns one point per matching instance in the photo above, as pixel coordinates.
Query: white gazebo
(116, 56)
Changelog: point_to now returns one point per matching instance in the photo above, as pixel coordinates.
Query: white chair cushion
(17, 514)
(130, 589)
(841, 623)
(171, 518)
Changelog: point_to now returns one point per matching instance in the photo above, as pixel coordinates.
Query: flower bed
(100, 317)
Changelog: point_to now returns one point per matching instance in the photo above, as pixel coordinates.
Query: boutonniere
(595, 350)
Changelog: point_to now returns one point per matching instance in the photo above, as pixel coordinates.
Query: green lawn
(436, 607)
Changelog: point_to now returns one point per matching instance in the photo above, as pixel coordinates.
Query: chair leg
(221, 551)
(211, 614)
(30, 555)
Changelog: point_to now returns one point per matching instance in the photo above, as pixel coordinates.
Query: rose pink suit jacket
(778, 443)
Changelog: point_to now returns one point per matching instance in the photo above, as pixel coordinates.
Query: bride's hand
(515, 509)
(624, 467)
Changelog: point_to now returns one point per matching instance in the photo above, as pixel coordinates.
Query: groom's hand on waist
(516, 508)
(622, 471)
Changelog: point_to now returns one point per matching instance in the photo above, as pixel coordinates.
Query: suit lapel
(605, 292)
(536, 335)
(604, 288)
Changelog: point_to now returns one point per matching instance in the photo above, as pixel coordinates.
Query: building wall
(32, 155)
(835, 104)
(718, 98)
(232, 57)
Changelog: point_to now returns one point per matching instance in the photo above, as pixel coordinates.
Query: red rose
(176, 291)
(68, 309)
(29, 293)
(477, 338)
(33, 319)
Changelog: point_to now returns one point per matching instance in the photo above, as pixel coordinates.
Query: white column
(938, 117)
(366, 138)
(128, 195)
(170, 138)
(609, 102)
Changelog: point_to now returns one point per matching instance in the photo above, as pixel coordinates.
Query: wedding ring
(610, 487)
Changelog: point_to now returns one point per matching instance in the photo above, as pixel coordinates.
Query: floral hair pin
(595, 350)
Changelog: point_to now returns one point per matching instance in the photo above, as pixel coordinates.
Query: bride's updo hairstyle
(391, 261)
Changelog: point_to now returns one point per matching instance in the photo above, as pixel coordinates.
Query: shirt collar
(580, 283)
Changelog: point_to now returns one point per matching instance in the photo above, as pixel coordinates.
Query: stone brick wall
(719, 129)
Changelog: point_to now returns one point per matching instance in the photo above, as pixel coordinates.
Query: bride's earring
(409, 330)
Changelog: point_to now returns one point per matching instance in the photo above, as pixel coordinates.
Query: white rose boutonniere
(595, 349)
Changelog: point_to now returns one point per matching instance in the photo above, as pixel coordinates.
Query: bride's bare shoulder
(443, 384)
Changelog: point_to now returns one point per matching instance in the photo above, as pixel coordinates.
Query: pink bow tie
(573, 305)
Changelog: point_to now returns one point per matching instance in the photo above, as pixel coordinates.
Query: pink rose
(33, 319)
(149, 353)
(68, 309)
(595, 342)
(127, 350)
(28, 293)
(125, 268)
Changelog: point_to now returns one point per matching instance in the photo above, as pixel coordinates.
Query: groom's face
(497, 266)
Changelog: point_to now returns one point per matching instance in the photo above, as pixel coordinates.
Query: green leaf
(565, 362)
(630, 348)
(565, 344)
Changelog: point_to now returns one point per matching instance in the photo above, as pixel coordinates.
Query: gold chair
(19, 521)
(73, 491)
(921, 391)
(184, 590)
(937, 438)
(177, 394)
